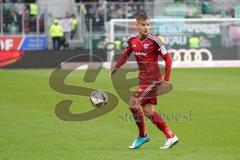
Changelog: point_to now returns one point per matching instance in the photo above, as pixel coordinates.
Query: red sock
(138, 116)
(157, 119)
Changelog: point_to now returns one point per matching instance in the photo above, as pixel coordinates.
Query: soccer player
(146, 48)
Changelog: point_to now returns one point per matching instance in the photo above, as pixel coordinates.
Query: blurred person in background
(194, 41)
(13, 19)
(117, 42)
(19, 8)
(102, 43)
(56, 33)
(33, 17)
(74, 26)
(7, 15)
(67, 24)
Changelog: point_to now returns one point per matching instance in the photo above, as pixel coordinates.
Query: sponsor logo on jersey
(140, 53)
(145, 46)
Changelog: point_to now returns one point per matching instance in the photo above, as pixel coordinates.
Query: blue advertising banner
(31, 43)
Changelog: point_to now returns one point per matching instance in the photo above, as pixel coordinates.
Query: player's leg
(157, 119)
(138, 116)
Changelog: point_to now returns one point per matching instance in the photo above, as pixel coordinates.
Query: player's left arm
(168, 65)
(166, 57)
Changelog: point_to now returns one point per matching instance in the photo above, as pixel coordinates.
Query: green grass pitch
(30, 130)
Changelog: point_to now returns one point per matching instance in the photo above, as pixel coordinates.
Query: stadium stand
(31, 17)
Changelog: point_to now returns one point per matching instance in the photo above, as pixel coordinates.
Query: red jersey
(146, 53)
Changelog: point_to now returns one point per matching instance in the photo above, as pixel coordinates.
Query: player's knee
(148, 109)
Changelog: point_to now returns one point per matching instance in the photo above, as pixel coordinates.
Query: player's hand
(165, 79)
(114, 70)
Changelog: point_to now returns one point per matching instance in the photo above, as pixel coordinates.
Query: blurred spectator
(20, 16)
(7, 16)
(102, 43)
(106, 10)
(19, 8)
(194, 42)
(74, 26)
(33, 17)
(207, 7)
(117, 42)
(141, 9)
(67, 22)
(56, 33)
(230, 12)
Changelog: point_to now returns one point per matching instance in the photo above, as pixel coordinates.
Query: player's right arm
(123, 59)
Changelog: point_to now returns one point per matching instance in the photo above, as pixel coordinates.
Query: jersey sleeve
(165, 56)
(161, 46)
(128, 50)
(126, 53)
(168, 66)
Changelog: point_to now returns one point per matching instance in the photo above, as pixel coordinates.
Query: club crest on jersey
(145, 46)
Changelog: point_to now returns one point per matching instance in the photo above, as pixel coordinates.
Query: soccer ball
(98, 98)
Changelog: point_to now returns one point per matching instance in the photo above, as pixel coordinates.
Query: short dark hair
(141, 17)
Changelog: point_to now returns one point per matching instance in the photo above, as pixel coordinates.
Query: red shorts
(146, 93)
